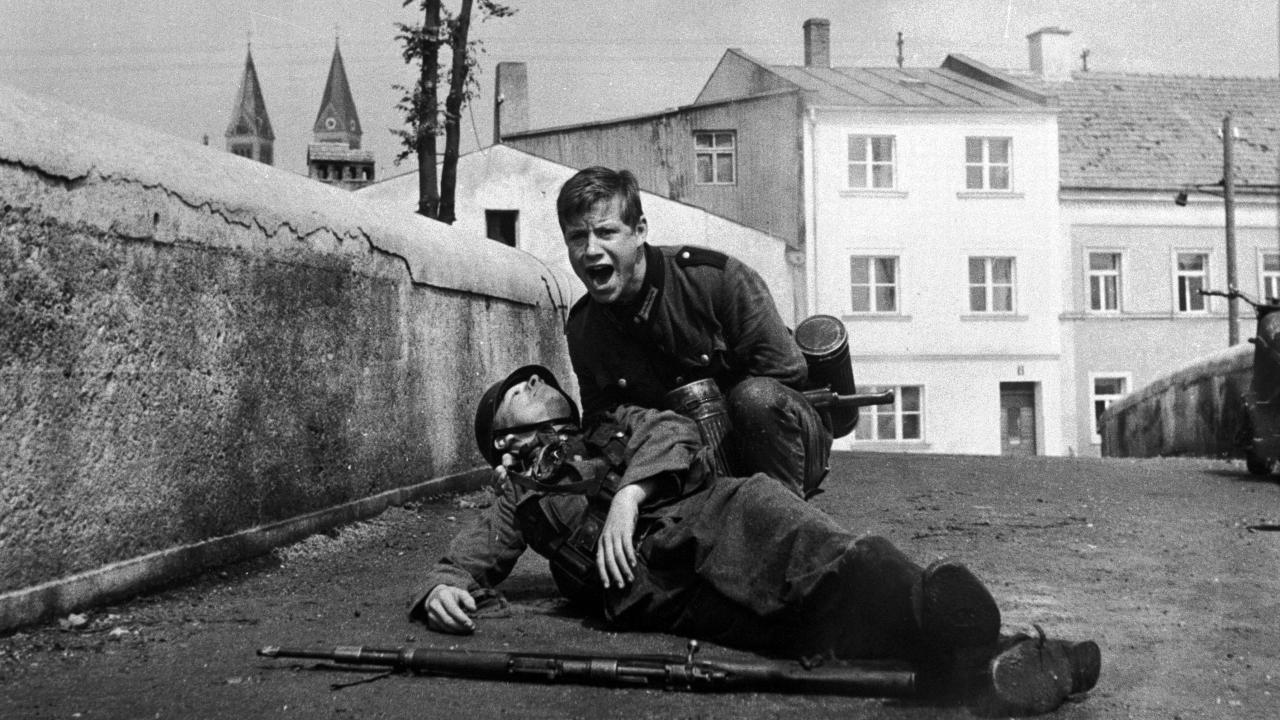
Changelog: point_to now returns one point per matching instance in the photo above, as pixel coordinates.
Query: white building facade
(934, 236)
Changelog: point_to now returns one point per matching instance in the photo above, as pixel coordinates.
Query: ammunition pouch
(568, 543)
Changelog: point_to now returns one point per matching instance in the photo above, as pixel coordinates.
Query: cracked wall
(192, 344)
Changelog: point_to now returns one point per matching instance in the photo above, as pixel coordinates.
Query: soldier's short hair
(590, 186)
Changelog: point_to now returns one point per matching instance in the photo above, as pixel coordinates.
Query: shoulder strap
(692, 256)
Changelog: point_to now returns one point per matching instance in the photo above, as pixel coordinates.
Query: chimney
(817, 42)
(1050, 56)
(510, 100)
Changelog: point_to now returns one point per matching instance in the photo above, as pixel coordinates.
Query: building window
(903, 420)
(871, 162)
(501, 225)
(1193, 276)
(874, 284)
(990, 285)
(986, 163)
(1271, 277)
(1106, 389)
(715, 157)
(1104, 281)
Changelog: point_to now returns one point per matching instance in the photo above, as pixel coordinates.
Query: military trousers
(778, 433)
(746, 563)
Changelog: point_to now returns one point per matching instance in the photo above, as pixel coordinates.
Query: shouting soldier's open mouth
(600, 274)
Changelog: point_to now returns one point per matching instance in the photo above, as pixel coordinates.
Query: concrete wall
(201, 356)
(1196, 410)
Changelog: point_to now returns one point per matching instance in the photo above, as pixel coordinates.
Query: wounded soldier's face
(526, 408)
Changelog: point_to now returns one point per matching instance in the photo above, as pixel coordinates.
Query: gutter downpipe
(811, 212)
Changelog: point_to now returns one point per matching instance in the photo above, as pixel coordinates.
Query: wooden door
(1017, 418)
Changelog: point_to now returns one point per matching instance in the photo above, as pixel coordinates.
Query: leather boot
(953, 608)
(1033, 675)
(959, 625)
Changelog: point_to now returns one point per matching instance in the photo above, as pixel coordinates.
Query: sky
(174, 66)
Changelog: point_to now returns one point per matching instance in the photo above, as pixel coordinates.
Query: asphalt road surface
(1172, 566)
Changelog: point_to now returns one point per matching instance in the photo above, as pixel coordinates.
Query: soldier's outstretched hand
(448, 608)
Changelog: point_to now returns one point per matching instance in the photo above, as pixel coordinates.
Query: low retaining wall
(1196, 410)
(202, 356)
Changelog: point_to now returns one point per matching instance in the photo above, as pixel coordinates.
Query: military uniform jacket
(659, 444)
(700, 314)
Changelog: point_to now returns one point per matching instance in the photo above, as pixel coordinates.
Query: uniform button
(704, 358)
(620, 434)
(622, 383)
(685, 254)
(680, 380)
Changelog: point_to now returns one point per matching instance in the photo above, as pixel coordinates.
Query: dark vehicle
(1260, 435)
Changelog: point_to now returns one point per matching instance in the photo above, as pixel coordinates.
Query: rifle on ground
(667, 671)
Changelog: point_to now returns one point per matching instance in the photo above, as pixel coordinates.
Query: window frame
(1092, 274)
(1178, 274)
(715, 152)
(989, 284)
(872, 285)
(870, 163)
(985, 165)
(1095, 434)
(1264, 275)
(869, 415)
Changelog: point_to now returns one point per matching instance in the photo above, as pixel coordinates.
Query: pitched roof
(249, 114)
(942, 88)
(337, 102)
(1131, 131)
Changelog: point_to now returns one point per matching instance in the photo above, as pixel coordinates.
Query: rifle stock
(866, 679)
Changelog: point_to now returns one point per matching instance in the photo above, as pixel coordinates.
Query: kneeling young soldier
(638, 531)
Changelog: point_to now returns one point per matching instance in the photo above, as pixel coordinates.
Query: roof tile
(1132, 131)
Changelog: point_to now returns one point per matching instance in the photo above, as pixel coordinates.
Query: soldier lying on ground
(742, 562)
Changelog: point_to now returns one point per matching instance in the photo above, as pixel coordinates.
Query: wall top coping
(77, 146)
(1221, 362)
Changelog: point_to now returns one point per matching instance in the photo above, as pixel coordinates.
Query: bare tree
(421, 103)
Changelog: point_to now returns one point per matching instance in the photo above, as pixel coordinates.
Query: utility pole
(1229, 207)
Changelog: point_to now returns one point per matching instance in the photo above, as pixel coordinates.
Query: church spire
(337, 120)
(335, 156)
(249, 133)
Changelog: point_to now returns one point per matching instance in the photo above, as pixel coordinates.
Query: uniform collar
(640, 309)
